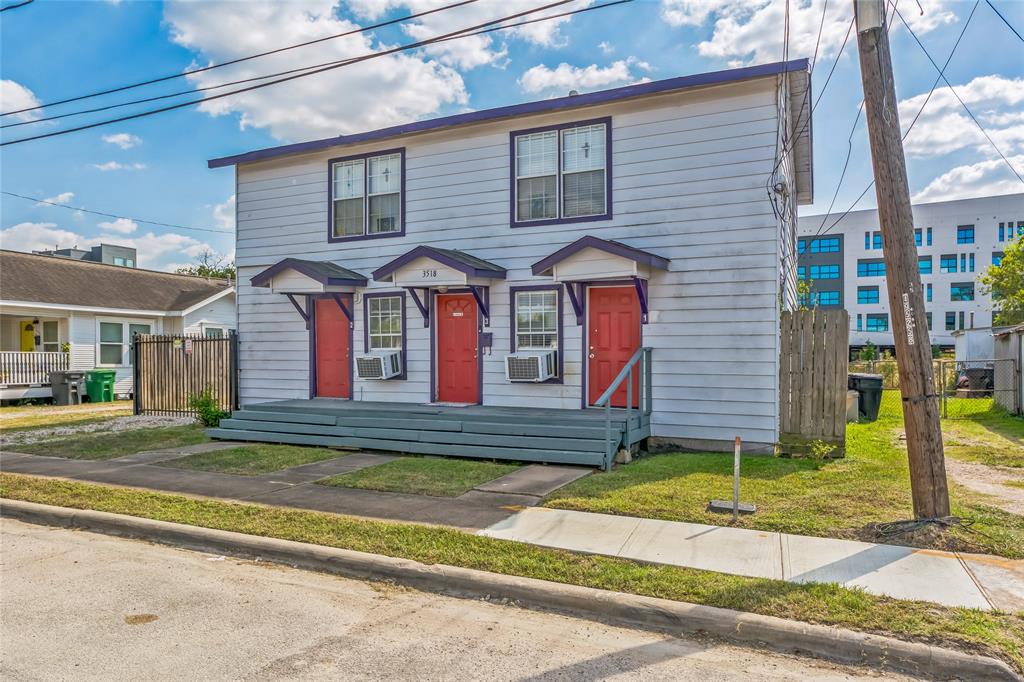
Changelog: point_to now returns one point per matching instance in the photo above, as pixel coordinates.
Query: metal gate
(170, 370)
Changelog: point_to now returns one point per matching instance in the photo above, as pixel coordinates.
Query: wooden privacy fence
(812, 380)
(169, 370)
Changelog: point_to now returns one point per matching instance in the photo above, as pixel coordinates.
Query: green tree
(210, 264)
(1005, 282)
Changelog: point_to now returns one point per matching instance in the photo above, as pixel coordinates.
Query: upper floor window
(871, 268)
(878, 322)
(562, 173)
(867, 295)
(384, 318)
(961, 292)
(928, 292)
(917, 237)
(929, 237)
(827, 298)
(924, 265)
(965, 234)
(947, 263)
(825, 272)
(801, 245)
(876, 240)
(997, 258)
(950, 321)
(366, 195)
(801, 272)
(827, 245)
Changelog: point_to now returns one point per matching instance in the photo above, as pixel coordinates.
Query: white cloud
(62, 198)
(985, 178)
(945, 127)
(114, 165)
(14, 96)
(224, 214)
(123, 140)
(606, 47)
(121, 226)
(380, 92)
(748, 31)
(37, 237)
(565, 77)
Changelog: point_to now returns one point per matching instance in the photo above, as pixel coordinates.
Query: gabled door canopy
(294, 276)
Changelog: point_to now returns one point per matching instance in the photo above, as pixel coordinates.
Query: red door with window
(457, 363)
(613, 336)
(333, 350)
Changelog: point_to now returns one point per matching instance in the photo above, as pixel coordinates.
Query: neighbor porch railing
(29, 368)
(642, 358)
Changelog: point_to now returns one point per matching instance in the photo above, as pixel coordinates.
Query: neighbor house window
(829, 245)
(997, 258)
(801, 272)
(876, 240)
(871, 268)
(867, 295)
(213, 332)
(961, 292)
(878, 322)
(917, 237)
(384, 319)
(536, 320)
(824, 272)
(929, 237)
(825, 298)
(950, 321)
(947, 263)
(561, 173)
(928, 290)
(366, 195)
(924, 265)
(51, 344)
(928, 316)
(115, 342)
(965, 234)
(801, 246)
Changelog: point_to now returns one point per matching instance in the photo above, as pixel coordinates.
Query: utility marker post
(736, 481)
(906, 301)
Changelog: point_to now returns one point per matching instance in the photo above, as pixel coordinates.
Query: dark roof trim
(557, 104)
(543, 267)
(326, 273)
(461, 261)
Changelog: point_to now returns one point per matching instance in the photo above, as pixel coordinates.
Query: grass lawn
(437, 476)
(252, 460)
(993, 633)
(836, 498)
(117, 444)
(994, 438)
(49, 416)
(1014, 483)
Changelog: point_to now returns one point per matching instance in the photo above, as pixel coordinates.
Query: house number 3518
(429, 274)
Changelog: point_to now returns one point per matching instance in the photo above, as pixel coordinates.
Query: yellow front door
(28, 337)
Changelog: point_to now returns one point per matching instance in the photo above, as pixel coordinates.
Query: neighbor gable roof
(543, 106)
(53, 280)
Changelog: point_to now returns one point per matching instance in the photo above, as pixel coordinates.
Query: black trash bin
(869, 393)
(67, 387)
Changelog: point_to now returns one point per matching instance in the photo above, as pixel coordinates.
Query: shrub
(207, 407)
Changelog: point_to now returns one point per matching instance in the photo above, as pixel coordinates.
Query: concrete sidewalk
(951, 579)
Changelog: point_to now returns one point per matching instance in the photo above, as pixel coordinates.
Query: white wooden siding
(219, 313)
(689, 173)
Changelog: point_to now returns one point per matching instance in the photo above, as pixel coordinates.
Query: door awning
(589, 258)
(431, 267)
(296, 276)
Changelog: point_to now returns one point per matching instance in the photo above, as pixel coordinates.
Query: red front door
(333, 366)
(613, 336)
(458, 374)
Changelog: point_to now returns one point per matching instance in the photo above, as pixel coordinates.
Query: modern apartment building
(956, 242)
(111, 254)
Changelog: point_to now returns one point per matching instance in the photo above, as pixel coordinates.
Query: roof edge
(526, 108)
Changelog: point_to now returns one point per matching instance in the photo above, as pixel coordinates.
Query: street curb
(616, 608)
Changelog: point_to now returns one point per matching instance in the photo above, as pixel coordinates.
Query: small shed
(1008, 343)
(973, 344)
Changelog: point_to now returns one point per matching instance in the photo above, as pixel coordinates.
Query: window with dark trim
(384, 323)
(878, 322)
(536, 321)
(961, 291)
(366, 196)
(561, 173)
(866, 295)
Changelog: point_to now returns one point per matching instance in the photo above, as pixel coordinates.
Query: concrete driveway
(82, 606)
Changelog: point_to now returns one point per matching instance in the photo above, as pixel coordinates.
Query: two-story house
(498, 269)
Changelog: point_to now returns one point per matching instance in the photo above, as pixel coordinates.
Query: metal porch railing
(642, 357)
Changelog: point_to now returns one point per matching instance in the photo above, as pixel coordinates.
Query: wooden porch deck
(481, 431)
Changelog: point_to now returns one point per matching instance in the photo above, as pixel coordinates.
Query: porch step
(519, 434)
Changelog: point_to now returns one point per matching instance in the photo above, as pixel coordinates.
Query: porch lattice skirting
(485, 432)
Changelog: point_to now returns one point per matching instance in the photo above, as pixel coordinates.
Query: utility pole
(906, 301)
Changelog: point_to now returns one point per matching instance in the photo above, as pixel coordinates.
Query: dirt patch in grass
(986, 632)
(436, 476)
(835, 498)
(99, 446)
(253, 460)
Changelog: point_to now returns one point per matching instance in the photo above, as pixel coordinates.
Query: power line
(362, 58)
(935, 84)
(112, 215)
(20, 4)
(188, 72)
(296, 70)
(1005, 21)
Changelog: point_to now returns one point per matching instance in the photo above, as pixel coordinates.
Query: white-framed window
(536, 320)
(51, 336)
(561, 173)
(384, 319)
(114, 340)
(214, 332)
(366, 196)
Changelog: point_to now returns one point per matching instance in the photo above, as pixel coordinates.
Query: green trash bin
(99, 385)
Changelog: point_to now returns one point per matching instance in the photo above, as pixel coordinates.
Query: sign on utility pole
(906, 302)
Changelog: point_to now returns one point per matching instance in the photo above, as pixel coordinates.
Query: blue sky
(155, 168)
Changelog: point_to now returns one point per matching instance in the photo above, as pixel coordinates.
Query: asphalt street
(79, 606)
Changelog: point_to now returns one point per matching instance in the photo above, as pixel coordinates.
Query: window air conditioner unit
(380, 365)
(531, 366)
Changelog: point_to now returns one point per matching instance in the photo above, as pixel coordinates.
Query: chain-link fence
(963, 387)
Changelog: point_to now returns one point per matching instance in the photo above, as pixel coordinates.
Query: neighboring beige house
(60, 313)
